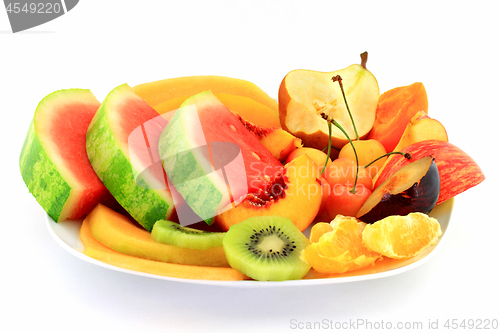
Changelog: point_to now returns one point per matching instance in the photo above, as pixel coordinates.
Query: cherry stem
(329, 146)
(332, 121)
(332, 147)
(406, 155)
(338, 79)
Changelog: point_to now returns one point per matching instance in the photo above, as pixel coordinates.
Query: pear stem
(364, 59)
(406, 155)
(332, 121)
(338, 79)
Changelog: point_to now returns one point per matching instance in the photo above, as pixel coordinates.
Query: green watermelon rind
(198, 187)
(45, 172)
(41, 176)
(114, 169)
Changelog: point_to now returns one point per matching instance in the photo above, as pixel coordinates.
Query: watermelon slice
(53, 161)
(121, 143)
(212, 159)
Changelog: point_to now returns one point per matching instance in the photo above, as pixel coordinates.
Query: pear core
(304, 94)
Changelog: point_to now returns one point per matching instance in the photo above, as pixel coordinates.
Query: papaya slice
(117, 232)
(100, 252)
(160, 91)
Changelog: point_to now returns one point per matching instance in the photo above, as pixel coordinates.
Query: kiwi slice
(266, 248)
(172, 233)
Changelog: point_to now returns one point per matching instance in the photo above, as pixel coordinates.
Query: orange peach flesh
(301, 200)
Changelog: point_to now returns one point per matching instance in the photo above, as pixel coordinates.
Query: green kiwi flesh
(172, 233)
(266, 248)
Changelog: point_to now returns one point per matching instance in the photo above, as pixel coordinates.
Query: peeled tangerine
(304, 94)
(339, 249)
(401, 237)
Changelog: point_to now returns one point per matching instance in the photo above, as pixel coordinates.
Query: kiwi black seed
(266, 248)
(172, 233)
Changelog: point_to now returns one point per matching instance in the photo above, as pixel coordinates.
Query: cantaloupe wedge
(98, 251)
(160, 91)
(247, 108)
(120, 234)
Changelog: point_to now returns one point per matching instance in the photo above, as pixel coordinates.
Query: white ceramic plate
(66, 234)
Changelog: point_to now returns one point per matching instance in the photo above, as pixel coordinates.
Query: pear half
(304, 94)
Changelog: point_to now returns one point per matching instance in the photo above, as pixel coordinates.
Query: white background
(452, 47)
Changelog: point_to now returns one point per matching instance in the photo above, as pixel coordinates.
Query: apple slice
(413, 188)
(457, 170)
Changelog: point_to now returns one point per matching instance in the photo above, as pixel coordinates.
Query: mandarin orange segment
(340, 250)
(401, 237)
(318, 230)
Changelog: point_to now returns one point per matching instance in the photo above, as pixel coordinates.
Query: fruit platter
(209, 180)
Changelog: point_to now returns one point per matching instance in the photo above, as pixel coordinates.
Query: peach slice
(304, 94)
(318, 156)
(279, 142)
(247, 108)
(160, 91)
(296, 195)
(100, 252)
(122, 235)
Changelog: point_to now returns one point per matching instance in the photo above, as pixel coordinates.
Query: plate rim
(76, 249)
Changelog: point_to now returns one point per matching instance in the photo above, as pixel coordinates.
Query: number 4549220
(38, 8)
(477, 324)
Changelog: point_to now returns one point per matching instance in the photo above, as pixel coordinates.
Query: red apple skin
(420, 197)
(457, 170)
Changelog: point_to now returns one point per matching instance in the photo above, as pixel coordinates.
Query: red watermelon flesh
(68, 130)
(212, 158)
(121, 148)
(54, 162)
(221, 125)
